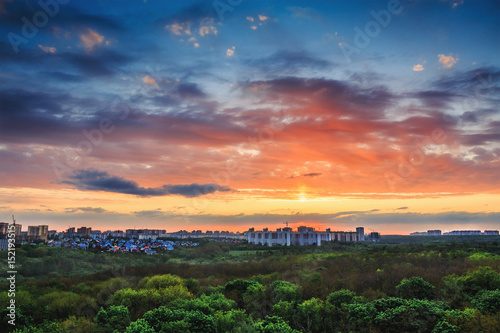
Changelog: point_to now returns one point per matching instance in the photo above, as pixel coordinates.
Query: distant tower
(375, 237)
(361, 234)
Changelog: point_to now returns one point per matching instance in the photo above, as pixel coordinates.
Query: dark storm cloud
(288, 62)
(65, 16)
(311, 174)
(434, 98)
(61, 76)
(479, 139)
(33, 56)
(490, 134)
(151, 213)
(38, 117)
(187, 90)
(352, 213)
(96, 210)
(367, 102)
(198, 11)
(95, 180)
(102, 63)
(99, 63)
(306, 13)
(60, 119)
(468, 81)
(416, 219)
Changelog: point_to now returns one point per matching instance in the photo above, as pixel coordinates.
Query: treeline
(359, 288)
(43, 261)
(168, 303)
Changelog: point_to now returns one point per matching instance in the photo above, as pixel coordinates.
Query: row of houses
(120, 244)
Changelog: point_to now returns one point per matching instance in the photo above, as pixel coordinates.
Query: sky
(230, 114)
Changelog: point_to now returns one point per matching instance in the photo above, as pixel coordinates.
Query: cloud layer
(95, 180)
(174, 99)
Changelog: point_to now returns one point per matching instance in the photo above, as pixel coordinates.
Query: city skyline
(228, 115)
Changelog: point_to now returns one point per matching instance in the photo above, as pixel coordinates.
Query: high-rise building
(375, 237)
(38, 232)
(84, 231)
(361, 234)
(4, 228)
(19, 228)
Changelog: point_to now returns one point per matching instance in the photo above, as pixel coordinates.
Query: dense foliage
(436, 287)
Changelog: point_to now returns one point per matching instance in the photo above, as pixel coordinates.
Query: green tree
(343, 297)
(46, 327)
(192, 285)
(160, 281)
(336, 308)
(285, 291)
(273, 324)
(255, 301)
(167, 320)
(487, 301)
(458, 291)
(231, 320)
(287, 311)
(473, 321)
(140, 301)
(444, 327)
(396, 315)
(249, 295)
(208, 304)
(116, 317)
(311, 314)
(415, 287)
(484, 278)
(140, 326)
